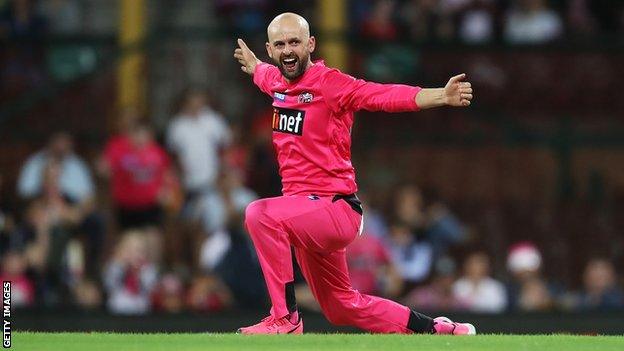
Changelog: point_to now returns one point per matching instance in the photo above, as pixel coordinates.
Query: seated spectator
(600, 286)
(437, 295)
(479, 291)
(46, 234)
(130, 276)
(13, 268)
(74, 183)
(441, 228)
(380, 25)
(208, 294)
(169, 294)
(371, 269)
(412, 256)
(139, 170)
(527, 291)
(532, 22)
(87, 295)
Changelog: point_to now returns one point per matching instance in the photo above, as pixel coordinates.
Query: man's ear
(268, 48)
(311, 44)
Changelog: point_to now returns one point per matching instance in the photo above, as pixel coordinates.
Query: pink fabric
(314, 149)
(319, 229)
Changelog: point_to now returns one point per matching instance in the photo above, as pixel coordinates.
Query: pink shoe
(270, 325)
(445, 326)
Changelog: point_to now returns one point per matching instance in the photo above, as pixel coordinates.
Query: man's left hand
(457, 92)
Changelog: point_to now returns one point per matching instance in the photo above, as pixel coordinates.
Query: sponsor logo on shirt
(288, 121)
(305, 98)
(279, 96)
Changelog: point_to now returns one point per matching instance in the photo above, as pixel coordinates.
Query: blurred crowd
(155, 223)
(470, 21)
(487, 21)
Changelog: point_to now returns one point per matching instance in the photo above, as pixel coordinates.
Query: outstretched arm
(455, 93)
(246, 58)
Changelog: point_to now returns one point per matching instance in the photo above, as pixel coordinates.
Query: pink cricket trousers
(319, 230)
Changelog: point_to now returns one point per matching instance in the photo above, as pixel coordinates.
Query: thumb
(458, 78)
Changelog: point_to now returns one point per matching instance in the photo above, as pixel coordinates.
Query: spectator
(169, 294)
(437, 295)
(477, 289)
(600, 286)
(380, 25)
(532, 22)
(139, 170)
(46, 235)
(208, 294)
(476, 19)
(371, 269)
(527, 291)
(412, 256)
(130, 277)
(13, 269)
(197, 136)
(441, 228)
(223, 210)
(87, 295)
(75, 189)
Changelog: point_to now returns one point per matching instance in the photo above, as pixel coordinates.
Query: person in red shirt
(138, 168)
(319, 213)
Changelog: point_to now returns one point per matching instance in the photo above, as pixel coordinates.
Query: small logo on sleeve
(305, 98)
(279, 96)
(288, 121)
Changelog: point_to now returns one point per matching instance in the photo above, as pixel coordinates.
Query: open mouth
(290, 64)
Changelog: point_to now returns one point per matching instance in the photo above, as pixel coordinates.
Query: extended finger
(242, 44)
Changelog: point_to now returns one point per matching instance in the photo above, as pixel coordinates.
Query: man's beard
(299, 65)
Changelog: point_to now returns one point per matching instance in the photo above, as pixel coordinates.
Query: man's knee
(255, 215)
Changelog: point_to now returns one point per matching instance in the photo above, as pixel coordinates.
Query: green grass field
(317, 342)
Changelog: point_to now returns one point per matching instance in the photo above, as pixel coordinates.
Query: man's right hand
(246, 58)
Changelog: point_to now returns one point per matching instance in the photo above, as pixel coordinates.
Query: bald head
(290, 44)
(288, 22)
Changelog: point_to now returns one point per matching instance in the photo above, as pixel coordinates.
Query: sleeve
(345, 93)
(81, 180)
(29, 181)
(264, 75)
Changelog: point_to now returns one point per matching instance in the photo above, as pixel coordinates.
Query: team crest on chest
(305, 98)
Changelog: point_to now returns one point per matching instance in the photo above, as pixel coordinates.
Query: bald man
(319, 213)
